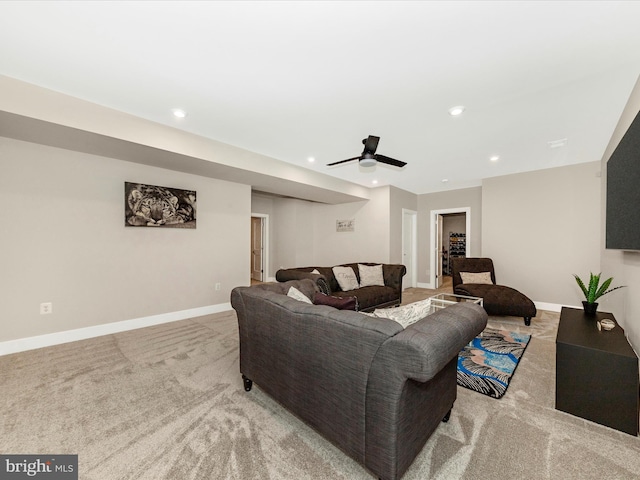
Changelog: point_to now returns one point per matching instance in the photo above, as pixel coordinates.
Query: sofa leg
(447, 416)
(527, 321)
(247, 383)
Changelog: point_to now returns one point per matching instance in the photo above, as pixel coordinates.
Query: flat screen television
(623, 192)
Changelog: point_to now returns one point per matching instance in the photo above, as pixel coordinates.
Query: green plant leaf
(594, 280)
(603, 288)
(582, 286)
(614, 288)
(595, 290)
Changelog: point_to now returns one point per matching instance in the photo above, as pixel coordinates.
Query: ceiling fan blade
(370, 144)
(390, 161)
(342, 161)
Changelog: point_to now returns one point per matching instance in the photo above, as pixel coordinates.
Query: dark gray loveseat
(374, 389)
(369, 298)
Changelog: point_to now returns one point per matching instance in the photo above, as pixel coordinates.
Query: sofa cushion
(479, 277)
(499, 299)
(341, 303)
(298, 295)
(370, 275)
(346, 278)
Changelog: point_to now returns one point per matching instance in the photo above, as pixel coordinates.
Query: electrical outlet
(217, 286)
(46, 308)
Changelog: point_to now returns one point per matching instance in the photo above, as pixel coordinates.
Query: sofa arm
(393, 276)
(285, 275)
(412, 385)
(424, 348)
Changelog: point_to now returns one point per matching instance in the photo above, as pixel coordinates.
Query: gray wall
(453, 223)
(467, 197)
(369, 242)
(294, 236)
(623, 266)
(399, 199)
(541, 227)
(64, 241)
(304, 233)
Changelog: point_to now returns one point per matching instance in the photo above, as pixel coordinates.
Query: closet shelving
(457, 248)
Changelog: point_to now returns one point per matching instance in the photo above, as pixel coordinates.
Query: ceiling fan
(369, 157)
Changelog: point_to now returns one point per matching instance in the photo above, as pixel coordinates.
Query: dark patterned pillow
(323, 286)
(341, 303)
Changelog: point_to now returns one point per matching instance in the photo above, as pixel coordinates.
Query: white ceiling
(294, 80)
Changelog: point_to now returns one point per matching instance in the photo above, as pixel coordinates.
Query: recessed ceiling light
(445, 180)
(375, 182)
(455, 111)
(494, 158)
(179, 113)
(311, 159)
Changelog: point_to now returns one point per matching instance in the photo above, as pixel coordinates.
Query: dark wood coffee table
(596, 372)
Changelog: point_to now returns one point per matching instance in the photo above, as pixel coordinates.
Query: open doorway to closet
(450, 238)
(259, 247)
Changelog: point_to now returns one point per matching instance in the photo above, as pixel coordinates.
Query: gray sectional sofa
(371, 387)
(369, 298)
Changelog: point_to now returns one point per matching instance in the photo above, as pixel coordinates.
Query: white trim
(414, 244)
(551, 307)
(48, 340)
(425, 285)
(432, 243)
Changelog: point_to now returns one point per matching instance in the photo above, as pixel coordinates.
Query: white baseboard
(550, 307)
(425, 285)
(48, 340)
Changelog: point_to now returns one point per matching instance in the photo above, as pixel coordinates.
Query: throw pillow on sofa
(346, 278)
(481, 277)
(341, 303)
(298, 295)
(370, 275)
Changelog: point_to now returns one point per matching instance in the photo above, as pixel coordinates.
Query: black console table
(596, 372)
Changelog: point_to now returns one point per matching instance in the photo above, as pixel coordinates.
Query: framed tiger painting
(154, 206)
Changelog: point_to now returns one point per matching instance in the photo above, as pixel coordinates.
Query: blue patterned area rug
(487, 363)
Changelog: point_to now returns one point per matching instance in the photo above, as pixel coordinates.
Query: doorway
(259, 247)
(448, 241)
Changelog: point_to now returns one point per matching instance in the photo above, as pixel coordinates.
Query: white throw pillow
(481, 277)
(370, 275)
(315, 271)
(298, 295)
(405, 315)
(346, 278)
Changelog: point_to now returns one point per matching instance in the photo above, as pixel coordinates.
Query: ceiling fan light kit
(369, 158)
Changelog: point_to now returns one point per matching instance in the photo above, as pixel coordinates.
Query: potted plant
(594, 291)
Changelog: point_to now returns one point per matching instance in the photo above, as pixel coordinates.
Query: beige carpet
(167, 402)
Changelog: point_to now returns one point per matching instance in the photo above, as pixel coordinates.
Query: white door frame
(433, 253)
(439, 247)
(413, 268)
(265, 245)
